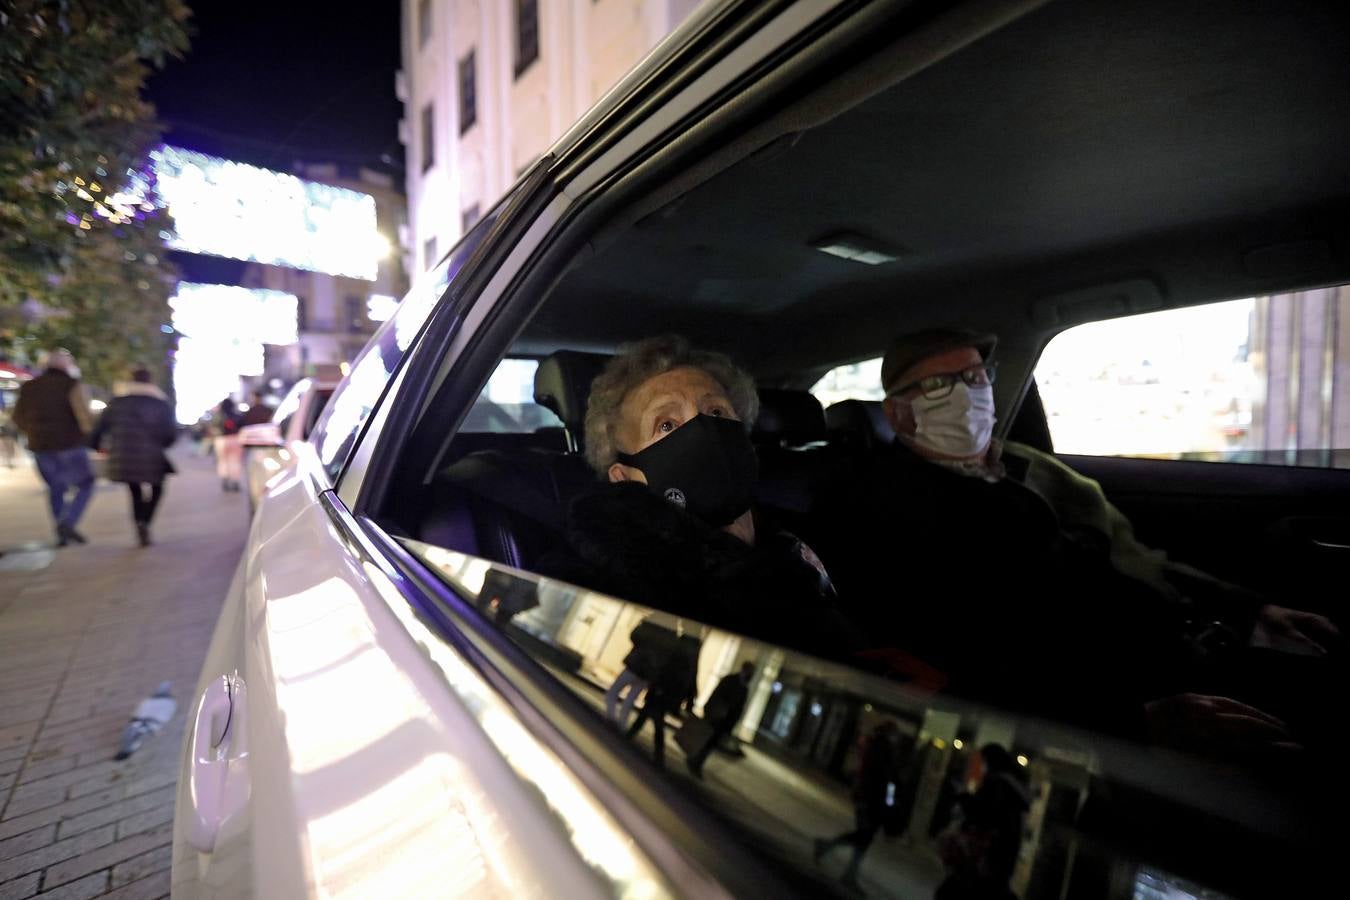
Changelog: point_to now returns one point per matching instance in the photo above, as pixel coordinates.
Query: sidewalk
(85, 633)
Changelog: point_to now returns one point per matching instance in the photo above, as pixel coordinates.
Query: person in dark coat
(673, 683)
(652, 640)
(722, 712)
(874, 793)
(136, 427)
(228, 447)
(258, 411)
(53, 411)
(980, 849)
(1016, 578)
(671, 525)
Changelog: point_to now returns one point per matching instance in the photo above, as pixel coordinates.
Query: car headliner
(1198, 148)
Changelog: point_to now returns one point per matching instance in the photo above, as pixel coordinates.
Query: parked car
(268, 445)
(396, 703)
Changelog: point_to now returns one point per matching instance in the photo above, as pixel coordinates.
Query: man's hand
(1218, 726)
(1294, 631)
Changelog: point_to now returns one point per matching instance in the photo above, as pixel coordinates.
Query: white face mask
(959, 425)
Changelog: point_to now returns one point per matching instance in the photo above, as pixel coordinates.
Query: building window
(428, 138)
(429, 253)
(527, 34)
(469, 218)
(468, 93)
(423, 22)
(356, 315)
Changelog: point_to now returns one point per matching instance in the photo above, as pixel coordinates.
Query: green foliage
(76, 135)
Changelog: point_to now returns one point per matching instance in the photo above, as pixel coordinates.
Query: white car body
(267, 446)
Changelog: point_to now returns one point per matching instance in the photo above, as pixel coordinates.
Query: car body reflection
(1102, 818)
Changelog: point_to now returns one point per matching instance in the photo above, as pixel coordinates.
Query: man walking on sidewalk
(53, 412)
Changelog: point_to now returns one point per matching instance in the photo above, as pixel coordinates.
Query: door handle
(218, 780)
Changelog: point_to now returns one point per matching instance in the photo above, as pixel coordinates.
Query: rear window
(506, 403)
(1260, 380)
(855, 381)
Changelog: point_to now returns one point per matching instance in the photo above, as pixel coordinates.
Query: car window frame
(476, 286)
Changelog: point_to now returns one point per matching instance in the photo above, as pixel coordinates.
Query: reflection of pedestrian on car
(721, 713)
(53, 411)
(980, 848)
(674, 682)
(653, 639)
(874, 795)
(137, 426)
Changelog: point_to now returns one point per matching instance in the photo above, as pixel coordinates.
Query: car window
(316, 408)
(1259, 380)
(506, 403)
(855, 381)
(336, 431)
(290, 404)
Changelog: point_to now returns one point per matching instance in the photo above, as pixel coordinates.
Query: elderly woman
(672, 524)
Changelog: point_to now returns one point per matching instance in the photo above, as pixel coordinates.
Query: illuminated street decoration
(256, 314)
(380, 307)
(224, 329)
(230, 209)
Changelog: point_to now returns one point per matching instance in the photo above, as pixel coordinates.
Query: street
(86, 632)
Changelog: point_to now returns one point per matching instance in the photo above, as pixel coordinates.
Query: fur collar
(137, 389)
(635, 535)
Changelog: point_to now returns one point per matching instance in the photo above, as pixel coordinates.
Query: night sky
(284, 80)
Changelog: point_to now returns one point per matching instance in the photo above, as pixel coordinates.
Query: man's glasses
(936, 387)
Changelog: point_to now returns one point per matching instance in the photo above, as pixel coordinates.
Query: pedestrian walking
(672, 684)
(874, 795)
(654, 638)
(720, 715)
(229, 449)
(258, 410)
(136, 427)
(53, 413)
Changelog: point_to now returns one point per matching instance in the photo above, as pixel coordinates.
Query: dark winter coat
(51, 412)
(724, 707)
(985, 581)
(135, 429)
(624, 540)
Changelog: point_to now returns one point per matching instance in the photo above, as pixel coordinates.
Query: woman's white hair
(640, 361)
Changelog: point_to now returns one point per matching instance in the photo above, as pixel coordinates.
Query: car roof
(1089, 159)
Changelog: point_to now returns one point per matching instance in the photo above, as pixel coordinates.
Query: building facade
(489, 85)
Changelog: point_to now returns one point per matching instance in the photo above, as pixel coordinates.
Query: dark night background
(273, 83)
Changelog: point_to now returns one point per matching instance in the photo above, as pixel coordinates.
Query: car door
(261, 809)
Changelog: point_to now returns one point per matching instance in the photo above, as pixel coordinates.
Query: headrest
(860, 423)
(791, 418)
(562, 383)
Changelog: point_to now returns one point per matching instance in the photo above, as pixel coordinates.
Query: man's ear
(895, 409)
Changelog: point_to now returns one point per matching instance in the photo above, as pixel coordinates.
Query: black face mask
(706, 466)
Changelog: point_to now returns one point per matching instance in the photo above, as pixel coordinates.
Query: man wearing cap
(1011, 572)
(53, 411)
